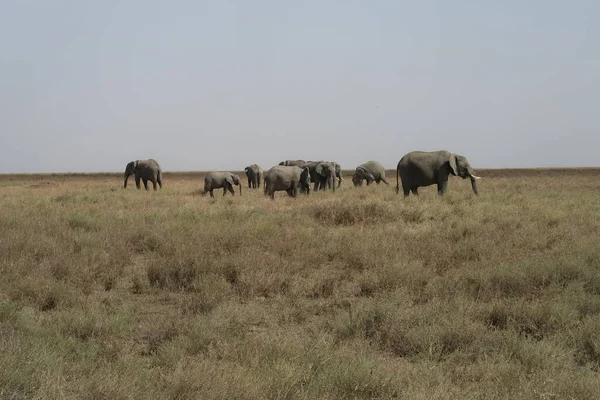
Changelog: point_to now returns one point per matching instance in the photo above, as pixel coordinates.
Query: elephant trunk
(240, 185)
(125, 180)
(474, 184)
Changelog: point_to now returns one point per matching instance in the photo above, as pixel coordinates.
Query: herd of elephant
(415, 169)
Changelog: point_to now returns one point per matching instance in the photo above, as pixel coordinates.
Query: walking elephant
(419, 168)
(371, 171)
(217, 180)
(322, 174)
(296, 163)
(144, 170)
(255, 175)
(288, 178)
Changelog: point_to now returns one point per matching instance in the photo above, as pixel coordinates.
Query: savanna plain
(108, 293)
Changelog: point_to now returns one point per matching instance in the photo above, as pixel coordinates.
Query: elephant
(338, 173)
(322, 174)
(145, 170)
(419, 168)
(296, 163)
(288, 178)
(371, 171)
(217, 179)
(255, 174)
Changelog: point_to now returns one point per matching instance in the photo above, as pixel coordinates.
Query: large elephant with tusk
(420, 168)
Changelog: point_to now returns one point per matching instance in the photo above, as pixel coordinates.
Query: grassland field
(108, 293)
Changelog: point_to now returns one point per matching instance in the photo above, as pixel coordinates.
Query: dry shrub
(178, 273)
(586, 340)
(341, 213)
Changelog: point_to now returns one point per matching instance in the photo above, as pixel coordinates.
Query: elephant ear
(319, 169)
(229, 179)
(452, 162)
(305, 174)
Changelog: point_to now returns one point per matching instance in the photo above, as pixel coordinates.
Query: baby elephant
(288, 178)
(371, 171)
(217, 180)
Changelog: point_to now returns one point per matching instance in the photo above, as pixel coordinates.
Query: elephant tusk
(475, 177)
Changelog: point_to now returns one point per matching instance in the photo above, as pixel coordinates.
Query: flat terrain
(109, 293)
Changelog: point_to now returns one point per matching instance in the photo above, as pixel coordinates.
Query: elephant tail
(397, 179)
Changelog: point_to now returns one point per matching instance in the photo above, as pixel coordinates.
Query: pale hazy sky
(90, 85)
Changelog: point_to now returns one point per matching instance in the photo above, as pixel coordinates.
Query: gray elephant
(255, 175)
(296, 163)
(419, 168)
(322, 174)
(144, 170)
(217, 180)
(288, 178)
(371, 171)
(338, 173)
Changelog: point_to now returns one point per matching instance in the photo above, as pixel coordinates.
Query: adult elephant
(420, 168)
(255, 174)
(217, 180)
(322, 174)
(295, 163)
(144, 170)
(371, 171)
(338, 173)
(288, 178)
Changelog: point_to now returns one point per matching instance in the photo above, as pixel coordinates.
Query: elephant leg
(137, 182)
(406, 191)
(415, 191)
(442, 187)
(159, 180)
(145, 183)
(230, 188)
(211, 193)
(154, 185)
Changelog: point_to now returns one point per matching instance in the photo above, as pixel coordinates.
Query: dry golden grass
(112, 293)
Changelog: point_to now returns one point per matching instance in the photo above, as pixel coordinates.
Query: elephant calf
(255, 174)
(288, 178)
(371, 171)
(420, 168)
(144, 170)
(217, 180)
